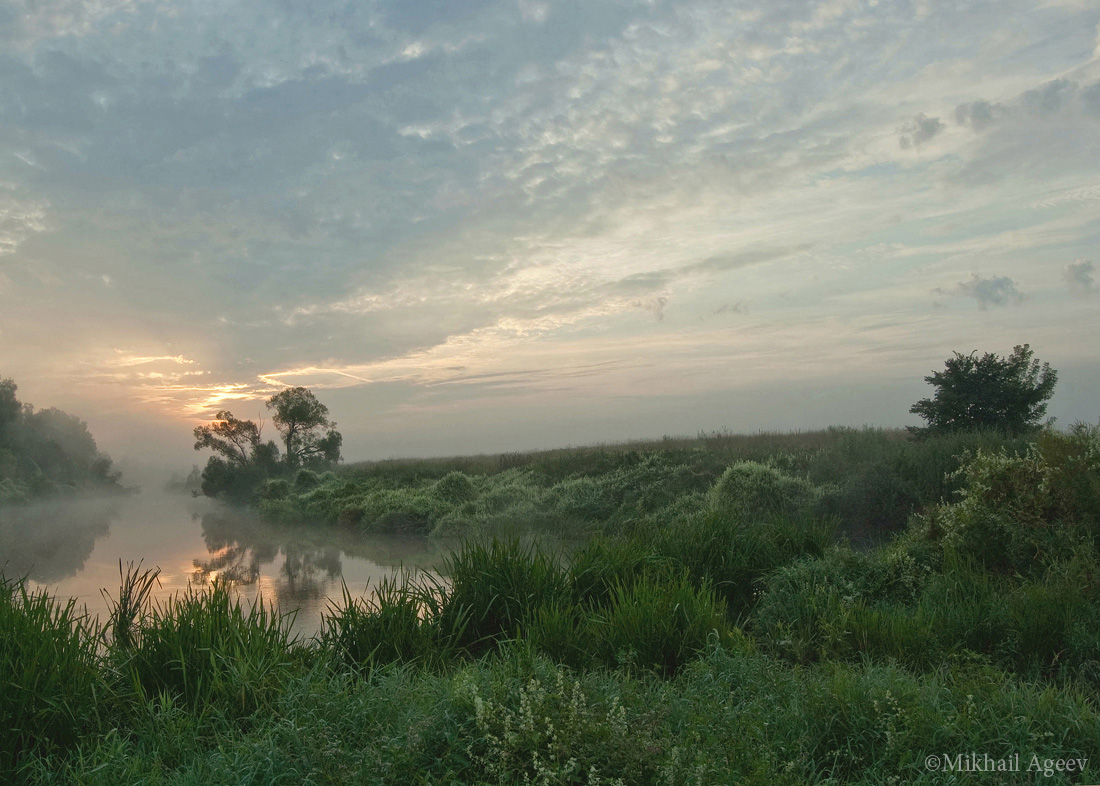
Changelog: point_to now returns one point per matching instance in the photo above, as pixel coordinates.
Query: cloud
(19, 219)
(919, 130)
(738, 307)
(375, 194)
(655, 306)
(1090, 99)
(1049, 98)
(1078, 277)
(978, 115)
(996, 291)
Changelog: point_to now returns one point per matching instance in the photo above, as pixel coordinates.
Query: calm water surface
(73, 549)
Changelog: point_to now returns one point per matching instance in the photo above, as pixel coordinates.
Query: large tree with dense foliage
(309, 437)
(235, 440)
(242, 459)
(1007, 393)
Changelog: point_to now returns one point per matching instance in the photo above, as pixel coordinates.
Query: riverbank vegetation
(868, 481)
(715, 626)
(47, 453)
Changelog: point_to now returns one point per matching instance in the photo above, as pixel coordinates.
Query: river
(73, 548)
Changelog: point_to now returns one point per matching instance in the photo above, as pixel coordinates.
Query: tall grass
(493, 588)
(208, 652)
(398, 622)
(50, 674)
(125, 615)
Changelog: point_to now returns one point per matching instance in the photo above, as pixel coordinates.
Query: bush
(749, 489)
(306, 480)
(455, 488)
(276, 488)
(12, 493)
(1018, 513)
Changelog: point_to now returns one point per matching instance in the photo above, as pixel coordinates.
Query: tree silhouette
(309, 436)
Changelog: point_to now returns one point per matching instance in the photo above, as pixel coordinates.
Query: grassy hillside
(869, 481)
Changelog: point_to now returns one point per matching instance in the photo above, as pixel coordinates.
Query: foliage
(309, 437)
(235, 440)
(1017, 513)
(243, 463)
(47, 452)
(399, 622)
(1007, 393)
(713, 632)
(494, 587)
(10, 409)
(748, 489)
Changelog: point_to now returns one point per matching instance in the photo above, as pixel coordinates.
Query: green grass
(51, 679)
(209, 652)
(715, 627)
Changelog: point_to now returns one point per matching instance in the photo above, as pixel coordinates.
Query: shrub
(1017, 513)
(749, 488)
(275, 488)
(585, 498)
(306, 480)
(13, 493)
(455, 488)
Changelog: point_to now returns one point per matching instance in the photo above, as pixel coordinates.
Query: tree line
(47, 452)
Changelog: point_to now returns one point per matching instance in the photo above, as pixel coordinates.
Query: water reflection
(72, 549)
(302, 566)
(50, 541)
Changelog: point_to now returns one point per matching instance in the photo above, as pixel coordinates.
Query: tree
(243, 459)
(10, 408)
(308, 434)
(236, 440)
(1008, 393)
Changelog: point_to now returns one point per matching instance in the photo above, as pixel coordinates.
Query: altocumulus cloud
(1078, 277)
(368, 196)
(995, 291)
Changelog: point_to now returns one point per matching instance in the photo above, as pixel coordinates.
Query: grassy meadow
(826, 607)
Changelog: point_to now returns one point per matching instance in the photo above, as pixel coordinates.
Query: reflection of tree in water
(50, 541)
(241, 544)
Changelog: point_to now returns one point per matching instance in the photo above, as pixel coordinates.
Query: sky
(482, 226)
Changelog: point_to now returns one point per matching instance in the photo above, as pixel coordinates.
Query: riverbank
(743, 642)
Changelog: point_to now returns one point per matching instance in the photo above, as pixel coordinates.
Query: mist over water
(73, 548)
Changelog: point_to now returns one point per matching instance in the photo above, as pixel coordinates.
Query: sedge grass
(50, 674)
